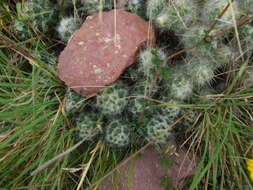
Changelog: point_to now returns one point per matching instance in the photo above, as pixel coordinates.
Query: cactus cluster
(145, 101)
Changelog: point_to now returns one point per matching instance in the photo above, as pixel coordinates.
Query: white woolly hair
(179, 15)
(67, 27)
(213, 8)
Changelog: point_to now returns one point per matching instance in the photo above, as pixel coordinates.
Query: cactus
(155, 7)
(196, 36)
(87, 127)
(118, 134)
(245, 6)
(221, 56)
(67, 27)
(40, 14)
(151, 59)
(137, 7)
(214, 8)
(74, 102)
(248, 80)
(170, 112)
(201, 70)
(246, 36)
(158, 129)
(178, 16)
(181, 87)
(137, 105)
(206, 47)
(92, 6)
(113, 99)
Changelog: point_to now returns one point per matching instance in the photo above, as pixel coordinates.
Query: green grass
(34, 128)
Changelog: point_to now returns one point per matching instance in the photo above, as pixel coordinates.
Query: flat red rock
(101, 50)
(145, 172)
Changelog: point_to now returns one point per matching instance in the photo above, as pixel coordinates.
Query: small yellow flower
(250, 167)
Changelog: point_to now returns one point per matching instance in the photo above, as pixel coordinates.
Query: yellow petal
(250, 169)
(250, 162)
(251, 176)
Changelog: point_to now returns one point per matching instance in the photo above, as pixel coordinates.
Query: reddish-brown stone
(145, 172)
(100, 50)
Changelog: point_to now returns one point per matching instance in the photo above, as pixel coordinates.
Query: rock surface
(146, 172)
(100, 50)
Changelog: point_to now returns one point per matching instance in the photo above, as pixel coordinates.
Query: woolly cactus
(137, 105)
(171, 112)
(67, 27)
(137, 7)
(245, 6)
(87, 127)
(221, 56)
(40, 14)
(117, 134)
(248, 77)
(155, 7)
(113, 99)
(181, 87)
(92, 6)
(178, 16)
(73, 102)
(150, 60)
(196, 36)
(246, 36)
(201, 70)
(158, 129)
(214, 8)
